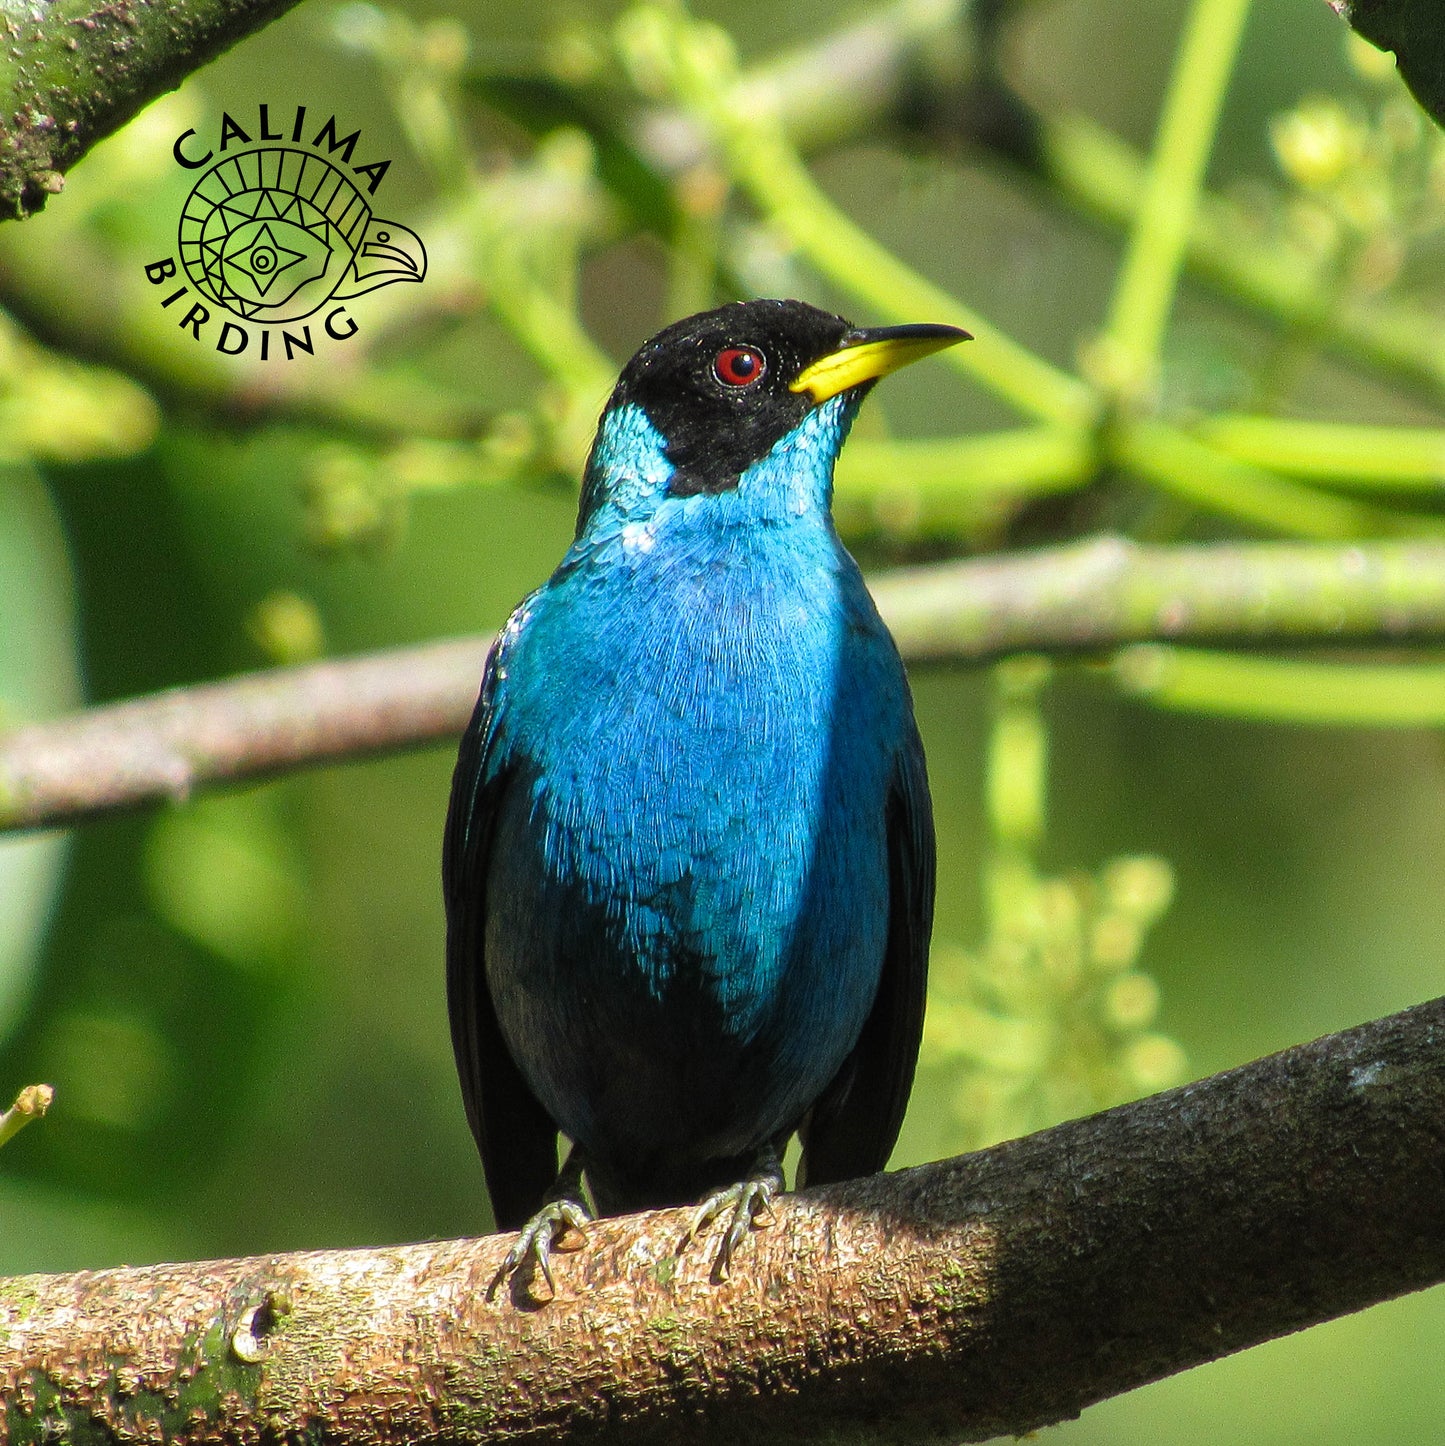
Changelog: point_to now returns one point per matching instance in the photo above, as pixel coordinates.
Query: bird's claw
(536, 1239)
(751, 1204)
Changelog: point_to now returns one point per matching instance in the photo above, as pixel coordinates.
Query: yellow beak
(870, 353)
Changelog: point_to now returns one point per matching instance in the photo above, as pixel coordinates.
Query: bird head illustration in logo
(274, 234)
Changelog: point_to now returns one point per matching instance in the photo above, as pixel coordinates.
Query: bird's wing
(517, 1139)
(852, 1128)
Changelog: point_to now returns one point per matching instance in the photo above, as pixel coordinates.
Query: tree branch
(1106, 592)
(76, 70)
(1086, 597)
(159, 748)
(991, 1294)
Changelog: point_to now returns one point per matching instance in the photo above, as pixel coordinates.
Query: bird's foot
(537, 1238)
(750, 1202)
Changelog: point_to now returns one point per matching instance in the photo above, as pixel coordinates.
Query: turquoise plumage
(689, 861)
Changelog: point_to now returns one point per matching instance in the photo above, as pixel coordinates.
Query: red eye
(739, 366)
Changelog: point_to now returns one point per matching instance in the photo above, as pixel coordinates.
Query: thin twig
(30, 1104)
(1149, 275)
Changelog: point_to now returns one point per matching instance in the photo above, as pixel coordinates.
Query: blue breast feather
(699, 718)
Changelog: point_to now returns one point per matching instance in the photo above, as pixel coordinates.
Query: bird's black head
(716, 385)
(725, 386)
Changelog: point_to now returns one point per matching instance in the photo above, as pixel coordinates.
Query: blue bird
(689, 858)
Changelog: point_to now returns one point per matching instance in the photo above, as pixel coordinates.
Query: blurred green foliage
(1050, 1018)
(240, 1000)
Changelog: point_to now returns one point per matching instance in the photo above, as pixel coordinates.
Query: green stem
(763, 163)
(1191, 469)
(547, 328)
(1018, 750)
(772, 174)
(1400, 457)
(1016, 789)
(1150, 273)
(1024, 460)
(551, 332)
(1359, 695)
(1101, 174)
(504, 252)
(694, 256)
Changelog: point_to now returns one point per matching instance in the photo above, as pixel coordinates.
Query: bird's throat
(633, 480)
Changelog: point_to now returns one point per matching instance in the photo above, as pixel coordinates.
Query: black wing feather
(852, 1128)
(517, 1139)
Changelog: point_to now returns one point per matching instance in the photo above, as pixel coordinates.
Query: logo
(277, 238)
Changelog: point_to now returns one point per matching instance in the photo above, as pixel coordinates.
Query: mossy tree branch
(995, 1293)
(77, 70)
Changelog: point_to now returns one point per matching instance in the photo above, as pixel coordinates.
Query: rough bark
(989, 1294)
